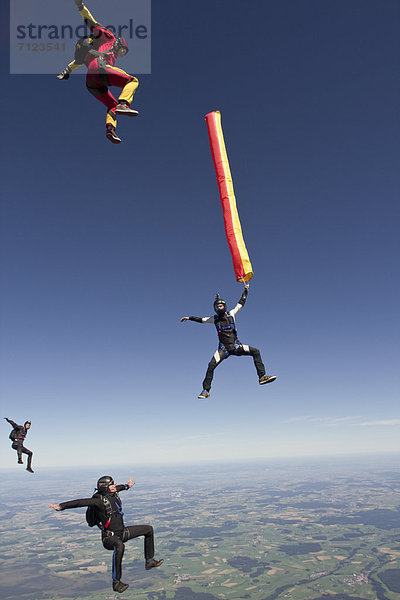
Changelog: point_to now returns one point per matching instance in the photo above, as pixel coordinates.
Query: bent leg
(245, 350)
(119, 78)
(134, 531)
(111, 118)
(113, 542)
(104, 95)
(18, 447)
(129, 91)
(218, 357)
(95, 83)
(29, 453)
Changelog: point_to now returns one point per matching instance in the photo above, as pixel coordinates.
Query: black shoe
(266, 379)
(30, 469)
(120, 587)
(150, 564)
(20, 461)
(112, 136)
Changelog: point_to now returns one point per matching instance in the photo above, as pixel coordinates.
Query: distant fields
(262, 531)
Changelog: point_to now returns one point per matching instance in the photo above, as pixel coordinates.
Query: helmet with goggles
(104, 483)
(217, 302)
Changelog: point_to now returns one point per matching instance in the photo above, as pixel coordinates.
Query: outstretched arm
(81, 502)
(198, 319)
(243, 297)
(241, 302)
(125, 486)
(13, 423)
(68, 70)
(86, 14)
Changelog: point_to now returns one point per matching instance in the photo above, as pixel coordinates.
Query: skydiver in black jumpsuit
(228, 341)
(114, 534)
(18, 436)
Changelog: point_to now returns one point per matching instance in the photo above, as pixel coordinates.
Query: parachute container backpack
(83, 47)
(241, 262)
(93, 517)
(13, 435)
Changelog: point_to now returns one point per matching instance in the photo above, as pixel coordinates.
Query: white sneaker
(123, 109)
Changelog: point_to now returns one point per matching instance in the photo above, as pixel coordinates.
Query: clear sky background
(104, 248)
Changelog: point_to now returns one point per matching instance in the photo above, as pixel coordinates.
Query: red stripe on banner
(222, 176)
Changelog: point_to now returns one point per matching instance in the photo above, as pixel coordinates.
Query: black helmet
(219, 300)
(121, 43)
(26, 423)
(103, 483)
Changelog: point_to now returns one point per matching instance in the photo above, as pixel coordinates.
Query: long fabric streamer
(241, 262)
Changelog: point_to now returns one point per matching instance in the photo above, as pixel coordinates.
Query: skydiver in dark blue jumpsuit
(107, 506)
(229, 344)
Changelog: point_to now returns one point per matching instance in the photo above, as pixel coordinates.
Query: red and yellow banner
(241, 262)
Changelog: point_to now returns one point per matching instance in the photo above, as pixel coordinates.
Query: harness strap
(98, 54)
(109, 510)
(218, 326)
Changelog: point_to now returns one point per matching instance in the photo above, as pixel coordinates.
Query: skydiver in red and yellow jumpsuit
(102, 73)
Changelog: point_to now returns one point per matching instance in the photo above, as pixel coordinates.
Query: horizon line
(225, 461)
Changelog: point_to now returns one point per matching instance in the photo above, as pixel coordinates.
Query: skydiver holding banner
(99, 53)
(17, 436)
(229, 345)
(105, 511)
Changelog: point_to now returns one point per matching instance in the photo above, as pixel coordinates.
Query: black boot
(30, 469)
(20, 461)
(266, 379)
(120, 587)
(111, 135)
(151, 563)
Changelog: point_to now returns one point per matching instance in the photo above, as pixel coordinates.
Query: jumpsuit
(102, 72)
(228, 342)
(18, 443)
(116, 534)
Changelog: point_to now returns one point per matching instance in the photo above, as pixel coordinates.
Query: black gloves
(64, 74)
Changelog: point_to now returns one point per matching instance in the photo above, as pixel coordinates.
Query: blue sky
(104, 247)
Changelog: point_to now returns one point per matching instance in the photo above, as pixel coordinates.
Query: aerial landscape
(255, 192)
(262, 530)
